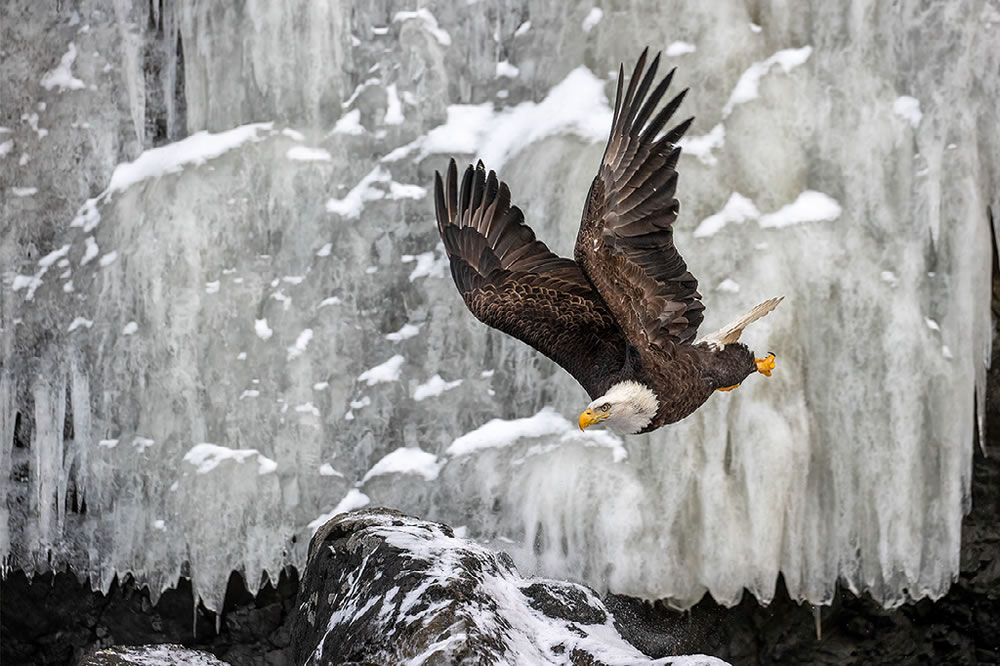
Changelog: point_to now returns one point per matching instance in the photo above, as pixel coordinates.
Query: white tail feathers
(731, 332)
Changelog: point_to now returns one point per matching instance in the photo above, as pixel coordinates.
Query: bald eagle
(623, 315)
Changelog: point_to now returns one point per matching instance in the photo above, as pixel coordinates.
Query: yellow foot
(728, 388)
(765, 365)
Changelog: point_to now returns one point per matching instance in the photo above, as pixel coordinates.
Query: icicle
(218, 623)
(194, 611)
(818, 620)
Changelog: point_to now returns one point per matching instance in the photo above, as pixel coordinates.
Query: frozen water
(851, 463)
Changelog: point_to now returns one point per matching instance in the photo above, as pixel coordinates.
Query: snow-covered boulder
(150, 655)
(382, 587)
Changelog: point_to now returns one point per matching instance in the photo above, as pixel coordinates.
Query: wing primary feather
(633, 82)
(440, 207)
(674, 135)
(465, 197)
(649, 134)
(653, 100)
(452, 193)
(640, 93)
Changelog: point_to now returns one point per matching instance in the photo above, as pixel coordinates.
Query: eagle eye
(606, 406)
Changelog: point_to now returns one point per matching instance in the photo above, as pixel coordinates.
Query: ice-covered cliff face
(251, 325)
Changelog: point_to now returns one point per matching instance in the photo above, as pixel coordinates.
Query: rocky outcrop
(381, 587)
(150, 655)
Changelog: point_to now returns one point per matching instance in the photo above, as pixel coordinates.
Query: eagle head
(626, 408)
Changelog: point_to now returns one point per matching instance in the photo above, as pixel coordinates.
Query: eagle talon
(728, 388)
(765, 365)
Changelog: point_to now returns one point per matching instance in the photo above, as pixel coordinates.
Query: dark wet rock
(150, 655)
(381, 587)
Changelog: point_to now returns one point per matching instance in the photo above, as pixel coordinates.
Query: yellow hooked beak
(590, 417)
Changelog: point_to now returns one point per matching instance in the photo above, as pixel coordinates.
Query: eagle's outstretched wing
(626, 244)
(515, 284)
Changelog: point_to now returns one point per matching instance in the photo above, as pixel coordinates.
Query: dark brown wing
(515, 284)
(626, 244)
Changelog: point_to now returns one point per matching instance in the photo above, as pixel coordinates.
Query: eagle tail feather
(731, 332)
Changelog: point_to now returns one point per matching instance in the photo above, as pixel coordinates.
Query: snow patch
(810, 206)
(728, 286)
(679, 48)
(23, 191)
(262, 330)
(130, 328)
(592, 18)
(62, 76)
(301, 343)
(748, 86)
(349, 123)
(354, 499)
(737, 210)
(78, 322)
(405, 333)
(908, 108)
(306, 154)
(191, 151)
(500, 433)
(576, 106)
(384, 372)
(702, 146)
(506, 70)
(406, 460)
(434, 386)
(393, 107)
(207, 457)
(429, 264)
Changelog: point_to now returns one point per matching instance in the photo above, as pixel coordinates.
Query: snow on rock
(78, 322)
(394, 108)
(130, 328)
(507, 70)
(6, 147)
(679, 48)
(326, 469)
(206, 457)
(434, 386)
(592, 18)
(90, 250)
(194, 150)
(748, 86)
(908, 108)
(383, 372)
(351, 205)
(23, 191)
(301, 343)
(349, 123)
(404, 333)
(406, 460)
(577, 105)
(810, 206)
(701, 146)
(354, 499)
(429, 264)
(150, 655)
(62, 76)
(737, 210)
(405, 584)
(425, 16)
(262, 330)
(306, 154)
(728, 286)
(500, 433)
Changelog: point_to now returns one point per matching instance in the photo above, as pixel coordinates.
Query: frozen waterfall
(225, 312)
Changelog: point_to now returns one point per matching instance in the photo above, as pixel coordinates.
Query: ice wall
(251, 325)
